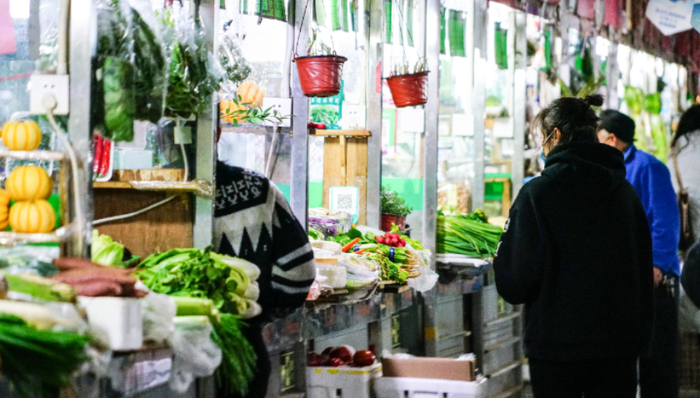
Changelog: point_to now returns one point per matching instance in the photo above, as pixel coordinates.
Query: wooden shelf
(112, 185)
(346, 133)
(202, 188)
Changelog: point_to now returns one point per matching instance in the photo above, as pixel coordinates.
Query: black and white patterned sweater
(253, 221)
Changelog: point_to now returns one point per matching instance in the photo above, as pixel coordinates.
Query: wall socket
(40, 85)
(283, 106)
(353, 117)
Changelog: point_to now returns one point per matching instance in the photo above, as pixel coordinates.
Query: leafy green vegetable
(347, 237)
(38, 362)
(238, 362)
(314, 234)
(468, 234)
(196, 273)
(104, 250)
(149, 65)
(119, 102)
(393, 204)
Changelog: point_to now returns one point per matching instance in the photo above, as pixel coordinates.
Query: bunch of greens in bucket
(393, 204)
(468, 234)
(130, 68)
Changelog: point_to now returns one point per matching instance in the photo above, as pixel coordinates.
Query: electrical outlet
(283, 106)
(353, 117)
(40, 85)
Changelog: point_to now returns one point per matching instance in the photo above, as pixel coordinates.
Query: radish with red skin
(345, 353)
(363, 358)
(335, 362)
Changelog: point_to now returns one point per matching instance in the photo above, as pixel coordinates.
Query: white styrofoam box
(117, 318)
(344, 381)
(337, 275)
(408, 387)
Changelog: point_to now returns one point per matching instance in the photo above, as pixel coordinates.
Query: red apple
(335, 362)
(344, 353)
(363, 358)
(314, 359)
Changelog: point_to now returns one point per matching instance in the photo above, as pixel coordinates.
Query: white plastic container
(408, 387)
(117, 318)
(344, 381)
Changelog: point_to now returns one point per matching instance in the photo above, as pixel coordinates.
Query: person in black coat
(576, 251)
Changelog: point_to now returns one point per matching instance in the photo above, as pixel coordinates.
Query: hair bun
(594, 100)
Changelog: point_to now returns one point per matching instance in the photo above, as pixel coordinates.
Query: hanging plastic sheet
(271, 9)
(443, 31)
(457, 27)
(409, 21)
(388, 11)
(548, 48)
(501, 46)
(320, 13)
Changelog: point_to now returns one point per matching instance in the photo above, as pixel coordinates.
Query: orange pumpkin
(227, 109)
(251, 93)
(21, 135)
(29, 183)
(32, 217)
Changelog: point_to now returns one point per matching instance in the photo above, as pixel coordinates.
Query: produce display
(21, 135)
(469, 235)
(341, 356)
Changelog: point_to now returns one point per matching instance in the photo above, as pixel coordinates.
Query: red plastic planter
(409, 90)
(387, 220)
(320, 76)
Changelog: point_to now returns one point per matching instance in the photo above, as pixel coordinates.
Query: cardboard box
(429, 368)
(407, 387)
(344, 381)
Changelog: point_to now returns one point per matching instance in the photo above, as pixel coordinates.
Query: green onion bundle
(464, 235)
(38, 363)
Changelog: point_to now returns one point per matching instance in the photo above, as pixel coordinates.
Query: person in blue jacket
(658, 374)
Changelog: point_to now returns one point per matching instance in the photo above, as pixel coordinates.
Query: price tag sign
(670, 16)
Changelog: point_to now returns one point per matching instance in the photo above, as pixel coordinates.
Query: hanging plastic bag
(157, 313)
(425, 281)
(196, 355)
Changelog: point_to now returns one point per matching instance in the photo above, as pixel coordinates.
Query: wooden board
(149, 175)
(356, 169)
(166, 227)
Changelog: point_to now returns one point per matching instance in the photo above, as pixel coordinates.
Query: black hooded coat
(578, 252)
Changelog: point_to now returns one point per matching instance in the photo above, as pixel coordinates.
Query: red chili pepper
(106, 154)
(350, 245)
(99, 143)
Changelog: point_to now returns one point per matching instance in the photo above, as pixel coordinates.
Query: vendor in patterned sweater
(253, 221)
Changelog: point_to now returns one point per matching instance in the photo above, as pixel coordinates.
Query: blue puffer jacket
(652, 181)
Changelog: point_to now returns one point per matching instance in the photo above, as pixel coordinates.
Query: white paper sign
(670, 16)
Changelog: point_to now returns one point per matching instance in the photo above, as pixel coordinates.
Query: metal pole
(479, 103)
(612, 76)
(519, 101)
(83, 40)
(206, 136)
(300, 109)
(374, 110)
(430, 167)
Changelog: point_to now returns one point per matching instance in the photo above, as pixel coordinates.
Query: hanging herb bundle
(193, 71)
(130, 71)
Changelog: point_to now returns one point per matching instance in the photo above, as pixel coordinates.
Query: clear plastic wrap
(157, 312)
(329, 223)
(29, 259)
(194, 73)
(131, 67)
(196, 355)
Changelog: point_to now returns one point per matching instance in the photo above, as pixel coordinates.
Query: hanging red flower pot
(409, 90)
(320, 75)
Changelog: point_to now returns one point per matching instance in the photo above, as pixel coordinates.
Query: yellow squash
(35, 216)
(251, 93)
(29, 183)
(21, 135)
(4, 208)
